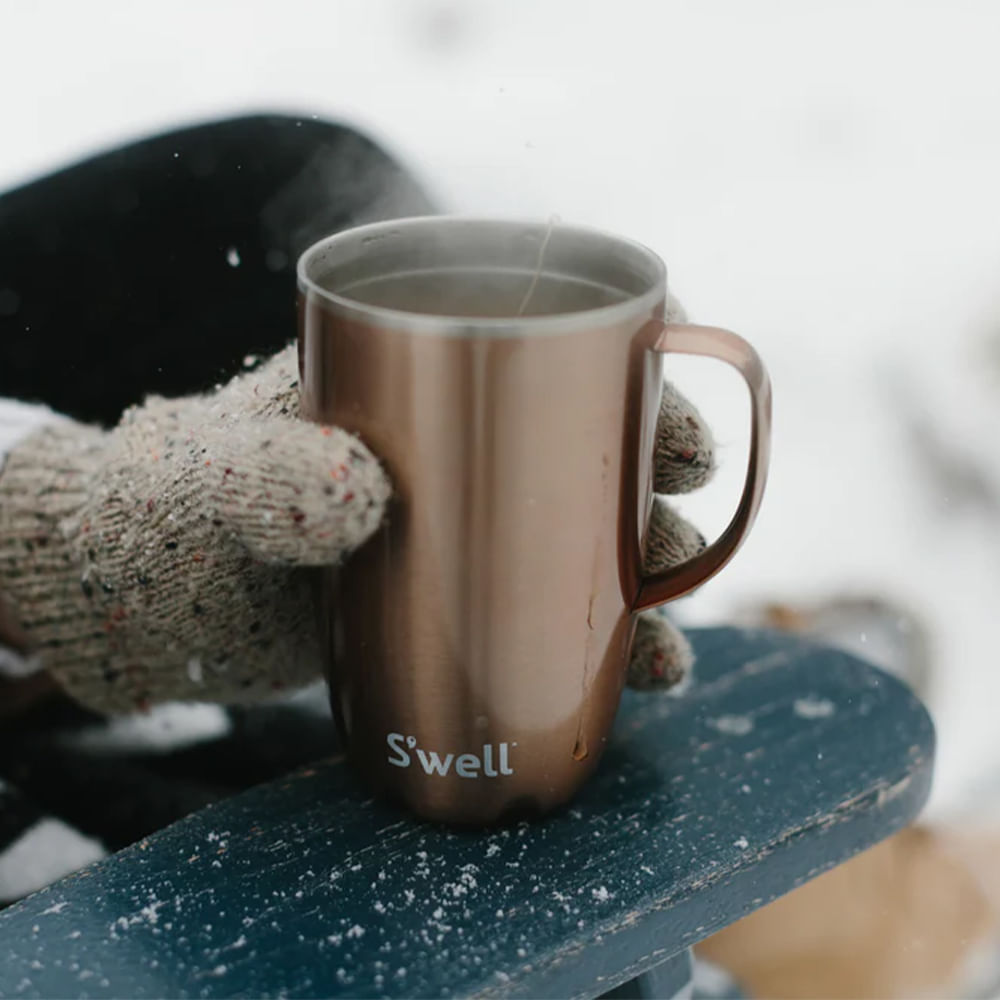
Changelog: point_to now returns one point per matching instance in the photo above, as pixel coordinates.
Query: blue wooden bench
(782, 760)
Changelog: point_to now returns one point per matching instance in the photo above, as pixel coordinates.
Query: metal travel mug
(508, 376)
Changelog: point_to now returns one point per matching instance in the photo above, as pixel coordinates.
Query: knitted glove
(158, 561)
(683, 461)
(162, 560)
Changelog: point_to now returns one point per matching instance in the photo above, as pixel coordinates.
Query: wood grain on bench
(782, 760)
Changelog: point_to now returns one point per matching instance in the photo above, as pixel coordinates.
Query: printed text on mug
(467, 765)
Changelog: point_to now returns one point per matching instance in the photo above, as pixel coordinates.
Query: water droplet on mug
(580, 751)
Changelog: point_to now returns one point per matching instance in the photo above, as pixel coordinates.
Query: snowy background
(821, 178)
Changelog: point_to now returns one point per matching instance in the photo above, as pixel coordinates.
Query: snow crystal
(732, 725)
(146, 914)
(814, 708)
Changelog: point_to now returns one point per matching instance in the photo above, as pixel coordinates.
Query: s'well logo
(467, 765)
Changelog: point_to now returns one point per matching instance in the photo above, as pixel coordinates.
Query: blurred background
(821, 178)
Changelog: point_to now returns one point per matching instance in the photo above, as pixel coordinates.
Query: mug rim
(581, 320)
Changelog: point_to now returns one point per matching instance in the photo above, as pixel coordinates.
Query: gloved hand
(162, 560)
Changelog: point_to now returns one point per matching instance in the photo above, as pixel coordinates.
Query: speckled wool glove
(683, 461)
(160, 561)
(157, 561)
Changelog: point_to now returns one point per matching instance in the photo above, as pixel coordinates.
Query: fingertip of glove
(684, 456)
(673, 311)
(661, 659)
(301, 494)
(670, 539)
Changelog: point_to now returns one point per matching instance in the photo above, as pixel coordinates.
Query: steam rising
(538, 267)
(472, 268)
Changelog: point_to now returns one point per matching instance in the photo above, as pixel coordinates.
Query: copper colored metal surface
(713, 342)
(478, 642)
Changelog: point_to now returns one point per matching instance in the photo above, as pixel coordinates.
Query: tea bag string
(553, 219)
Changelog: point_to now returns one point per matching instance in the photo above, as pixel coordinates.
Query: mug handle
(714, 342)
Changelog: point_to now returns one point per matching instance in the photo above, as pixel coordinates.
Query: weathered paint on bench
(781, 761)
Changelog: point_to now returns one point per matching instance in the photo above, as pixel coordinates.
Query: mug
(508, 375)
